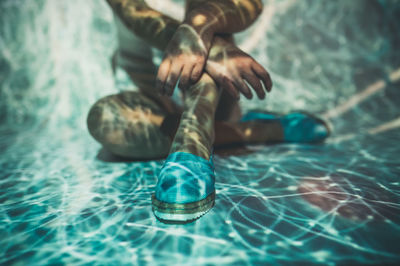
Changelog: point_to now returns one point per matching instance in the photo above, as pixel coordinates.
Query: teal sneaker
(298, 127)
(185, 189)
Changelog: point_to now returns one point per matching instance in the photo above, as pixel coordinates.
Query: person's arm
(227, 64)
(222, 16)
(211, 16)
(186, 54)
(145, 22)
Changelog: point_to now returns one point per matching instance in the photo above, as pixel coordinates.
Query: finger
(162, 75)
(244, 89)
(254, 83)
(197, 71)
(263, 75)
(228, 86)
(185, 77)
(172, 78)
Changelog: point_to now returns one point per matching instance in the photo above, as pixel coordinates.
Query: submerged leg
(195, 133)
(186, 185)
(130, 124)
(133, 125)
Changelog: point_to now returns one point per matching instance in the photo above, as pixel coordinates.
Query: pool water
(64, 201)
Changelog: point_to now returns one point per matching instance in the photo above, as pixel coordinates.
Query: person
(200, 56)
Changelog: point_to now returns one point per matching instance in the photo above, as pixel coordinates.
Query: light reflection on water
(331, 203)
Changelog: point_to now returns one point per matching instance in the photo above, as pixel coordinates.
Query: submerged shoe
(185, 189)
(299, 127)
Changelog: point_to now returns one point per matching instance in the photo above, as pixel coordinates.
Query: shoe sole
(178, 213)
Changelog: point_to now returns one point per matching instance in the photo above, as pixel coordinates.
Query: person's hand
(231, 69)
(184, 58)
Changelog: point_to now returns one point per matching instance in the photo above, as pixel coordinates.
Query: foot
(185, 189)
(298, 127)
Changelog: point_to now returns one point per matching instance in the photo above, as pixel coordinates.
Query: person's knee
(101, 114)
(129, 131)
(110, 116)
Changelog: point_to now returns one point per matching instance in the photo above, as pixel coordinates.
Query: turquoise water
(63, 201)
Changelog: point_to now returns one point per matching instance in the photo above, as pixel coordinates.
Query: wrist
(205, 35)
(201, 22)
(223, 41)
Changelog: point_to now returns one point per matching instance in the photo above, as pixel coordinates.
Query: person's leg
(195, 133)
(185, 189)
(229, 130)
(133, 125)
(228, 133)
(130, 124)
(208, 120)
